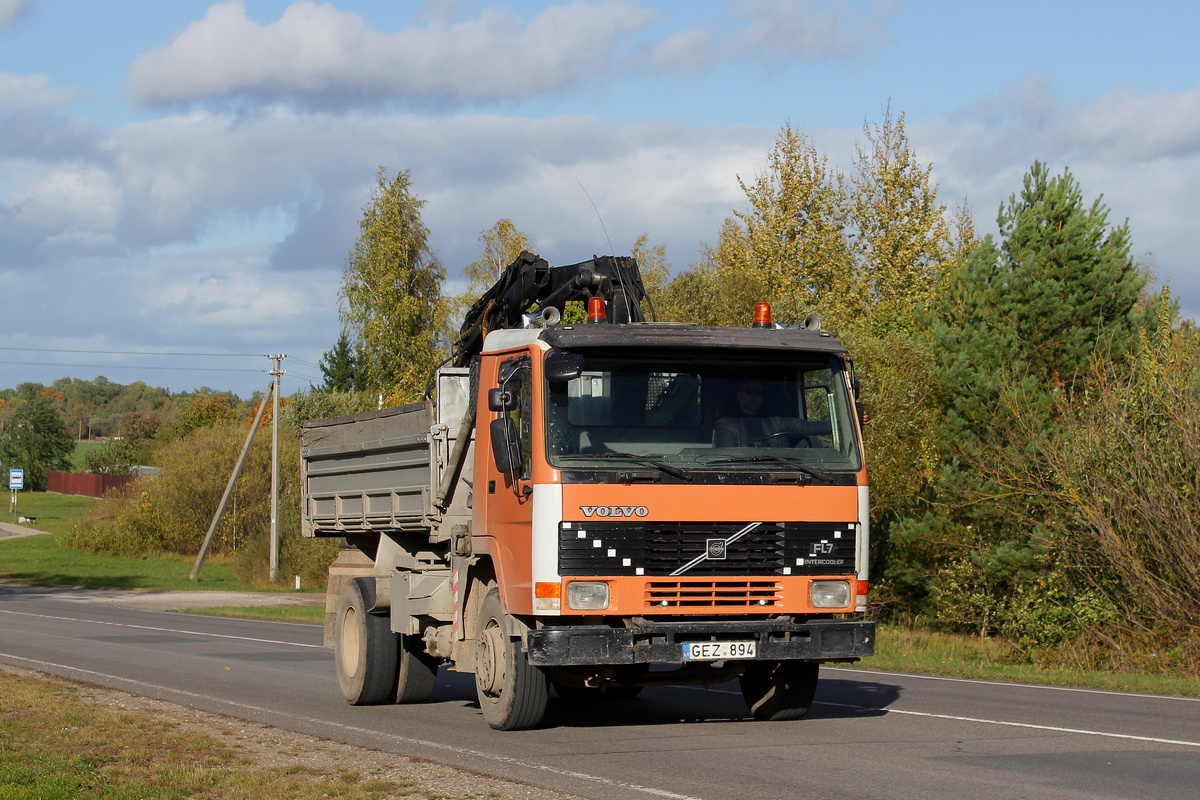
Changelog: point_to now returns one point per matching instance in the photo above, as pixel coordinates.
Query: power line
(57, 364)
(127, 353)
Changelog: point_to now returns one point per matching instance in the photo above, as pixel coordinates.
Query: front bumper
(662, 642)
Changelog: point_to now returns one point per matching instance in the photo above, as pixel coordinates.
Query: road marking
(1008, 683)
(383, 734)
(982, 721)
(160, 630)
(1052, 728)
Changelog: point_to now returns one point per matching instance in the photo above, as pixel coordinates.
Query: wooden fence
(84, 483)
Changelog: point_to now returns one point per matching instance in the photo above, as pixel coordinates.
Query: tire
(512, 693)
(416, 671)
(779, 690)
(365, 648)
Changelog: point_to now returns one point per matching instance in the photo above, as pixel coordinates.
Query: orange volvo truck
(599, 507)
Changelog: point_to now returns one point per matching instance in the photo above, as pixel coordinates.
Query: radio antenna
(593, 202)
(625, 282)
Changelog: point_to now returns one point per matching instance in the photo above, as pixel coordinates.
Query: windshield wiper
(667, 468)
(807, 470)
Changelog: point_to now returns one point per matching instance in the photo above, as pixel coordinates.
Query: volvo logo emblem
(716, 549)
(614, 511)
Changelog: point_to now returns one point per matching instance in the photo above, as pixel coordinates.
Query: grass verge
(54, 744)
(900, 649)
(41, 560)
(306, 614)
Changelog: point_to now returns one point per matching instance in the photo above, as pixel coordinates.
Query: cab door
(509, 486)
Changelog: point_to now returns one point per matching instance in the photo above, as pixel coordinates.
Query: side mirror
(501, 399)
(561, 366)
(504, 444)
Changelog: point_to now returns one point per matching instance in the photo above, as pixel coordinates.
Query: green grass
(306, 614)
(900, 649)
(56, 513)
(41, 560)
(80, 453)
(57, 746)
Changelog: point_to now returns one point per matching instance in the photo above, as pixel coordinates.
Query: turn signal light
(547, 596)
(762, 315)
(596, 311)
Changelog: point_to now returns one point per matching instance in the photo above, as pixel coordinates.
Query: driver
(746, 427)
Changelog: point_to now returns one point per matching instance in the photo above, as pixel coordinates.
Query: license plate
(718, 651)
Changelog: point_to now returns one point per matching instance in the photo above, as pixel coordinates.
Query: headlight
(830, 594)
(587, 595)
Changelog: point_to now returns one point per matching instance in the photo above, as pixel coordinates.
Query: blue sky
(187, 177)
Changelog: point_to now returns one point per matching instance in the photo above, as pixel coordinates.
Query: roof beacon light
(762, 315)
(596, 311)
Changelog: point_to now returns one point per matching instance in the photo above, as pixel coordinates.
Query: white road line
(401, 739)
(159, 630)
(982, 721)
(1052, 728)
(1010, 683)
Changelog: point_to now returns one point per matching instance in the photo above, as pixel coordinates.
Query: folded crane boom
(531, 283)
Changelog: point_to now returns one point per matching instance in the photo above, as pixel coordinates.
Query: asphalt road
(869, 735)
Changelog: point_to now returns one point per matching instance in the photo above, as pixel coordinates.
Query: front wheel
(512, 692)
(779, 690)
(364, 646)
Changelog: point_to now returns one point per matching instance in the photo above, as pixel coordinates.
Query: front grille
(712, 594)
(663, 548)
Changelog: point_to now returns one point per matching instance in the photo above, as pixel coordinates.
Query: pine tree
(1015, 326)
(337, 365)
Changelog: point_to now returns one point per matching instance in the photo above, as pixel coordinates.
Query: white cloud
(229, 231)
(809, 30)
(775, 32)
(331, 58)
(31, 93)
(12, 10)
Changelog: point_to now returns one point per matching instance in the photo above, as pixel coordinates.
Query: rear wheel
(779, 690)
(417, 671)
(512, 692)
(365, 648)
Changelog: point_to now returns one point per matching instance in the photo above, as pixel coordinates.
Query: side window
(516, 377)
(819, 398)
(524, 421)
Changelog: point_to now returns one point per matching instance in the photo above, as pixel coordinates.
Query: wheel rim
(350, 642)
(489, 671)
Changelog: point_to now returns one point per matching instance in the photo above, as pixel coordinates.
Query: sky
(180, 182)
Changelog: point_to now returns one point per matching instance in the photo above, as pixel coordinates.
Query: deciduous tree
(392, 288)
(36, 440)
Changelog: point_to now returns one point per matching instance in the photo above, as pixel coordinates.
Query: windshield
(698, 414)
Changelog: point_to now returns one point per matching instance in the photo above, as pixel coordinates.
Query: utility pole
(276, 374)
(237, 470)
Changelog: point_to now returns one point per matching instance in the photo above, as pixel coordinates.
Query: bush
(170, 513)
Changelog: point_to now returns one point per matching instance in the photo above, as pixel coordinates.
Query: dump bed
(379, 470)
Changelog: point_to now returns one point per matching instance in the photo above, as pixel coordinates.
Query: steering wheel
(794, 439)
